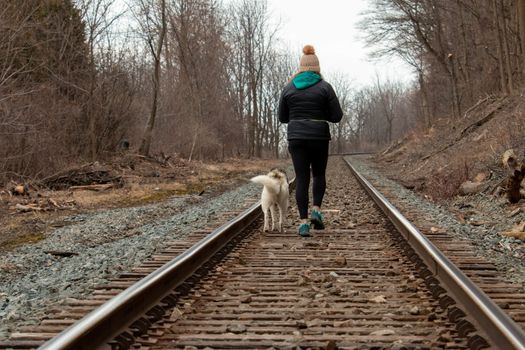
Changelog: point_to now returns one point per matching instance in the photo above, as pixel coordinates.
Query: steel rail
(98, 327)
(503, 332)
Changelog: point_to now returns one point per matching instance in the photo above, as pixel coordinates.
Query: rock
(236, 328)
(247, 299)
(343, 324)
(301, 281)
(469, 187)
(414, 310)
(378, 299)
(314, 323)
(445, 338)
(434, 229)
(340, 261)
(331, 345)
(480, 177)
(383, 332)
(301, 324)
(176, 314)
(504, 306)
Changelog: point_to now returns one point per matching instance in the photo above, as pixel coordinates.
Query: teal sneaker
(316, 218)
(304, 230)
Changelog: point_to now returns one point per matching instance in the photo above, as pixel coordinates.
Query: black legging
(306, 155)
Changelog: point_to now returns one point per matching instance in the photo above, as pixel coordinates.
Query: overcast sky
(331, 27)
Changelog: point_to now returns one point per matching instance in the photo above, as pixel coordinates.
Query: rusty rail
(111, 318)
(502, 331)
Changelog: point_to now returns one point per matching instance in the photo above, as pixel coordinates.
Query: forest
(85, 80)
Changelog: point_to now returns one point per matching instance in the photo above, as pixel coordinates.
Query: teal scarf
(306, 79)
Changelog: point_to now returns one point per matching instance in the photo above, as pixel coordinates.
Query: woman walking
(307, 104)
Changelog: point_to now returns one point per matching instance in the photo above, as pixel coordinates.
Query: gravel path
(478, 218)
(104, 244)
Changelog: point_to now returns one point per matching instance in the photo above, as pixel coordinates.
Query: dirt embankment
(438, 161)
(127, 181)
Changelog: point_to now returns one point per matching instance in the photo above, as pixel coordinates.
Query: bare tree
(342, 131)
(252, 38)
(98, 16)
(151, 16)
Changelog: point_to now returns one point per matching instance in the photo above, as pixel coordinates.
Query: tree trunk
(499, 46)
(424, 98)
(90, 103)
(508, 64)
(148, 133)
(466, 56)
(456, 105)
(521, 20)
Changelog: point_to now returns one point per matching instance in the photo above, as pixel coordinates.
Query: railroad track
(356, 285)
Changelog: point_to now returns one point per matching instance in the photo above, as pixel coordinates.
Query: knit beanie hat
(309, 61)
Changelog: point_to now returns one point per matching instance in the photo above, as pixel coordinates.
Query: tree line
(461, 50)
(82, 79)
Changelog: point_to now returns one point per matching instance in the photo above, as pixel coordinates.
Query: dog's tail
(270, 183)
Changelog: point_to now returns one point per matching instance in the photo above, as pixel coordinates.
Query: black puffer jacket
(308, 110)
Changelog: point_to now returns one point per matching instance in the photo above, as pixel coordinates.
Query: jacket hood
(305, 80)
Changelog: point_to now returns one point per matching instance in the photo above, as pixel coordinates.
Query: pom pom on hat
(308, 50)
(309, 61)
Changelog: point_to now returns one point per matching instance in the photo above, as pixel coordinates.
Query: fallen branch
(476, 105)
(84, 176)
(438, 151)
(469, 129)
(98, 187)
(27, 208)
(481, 121)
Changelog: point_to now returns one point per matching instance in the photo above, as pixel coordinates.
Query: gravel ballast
(478, 218)
(108, 242)
(98, 246)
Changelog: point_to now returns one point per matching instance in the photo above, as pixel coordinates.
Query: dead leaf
(509, 159)
(519, 227)
(517, 231)
(517, 235)
(19, 189)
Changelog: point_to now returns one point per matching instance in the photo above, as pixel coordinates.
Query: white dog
(275, 194)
